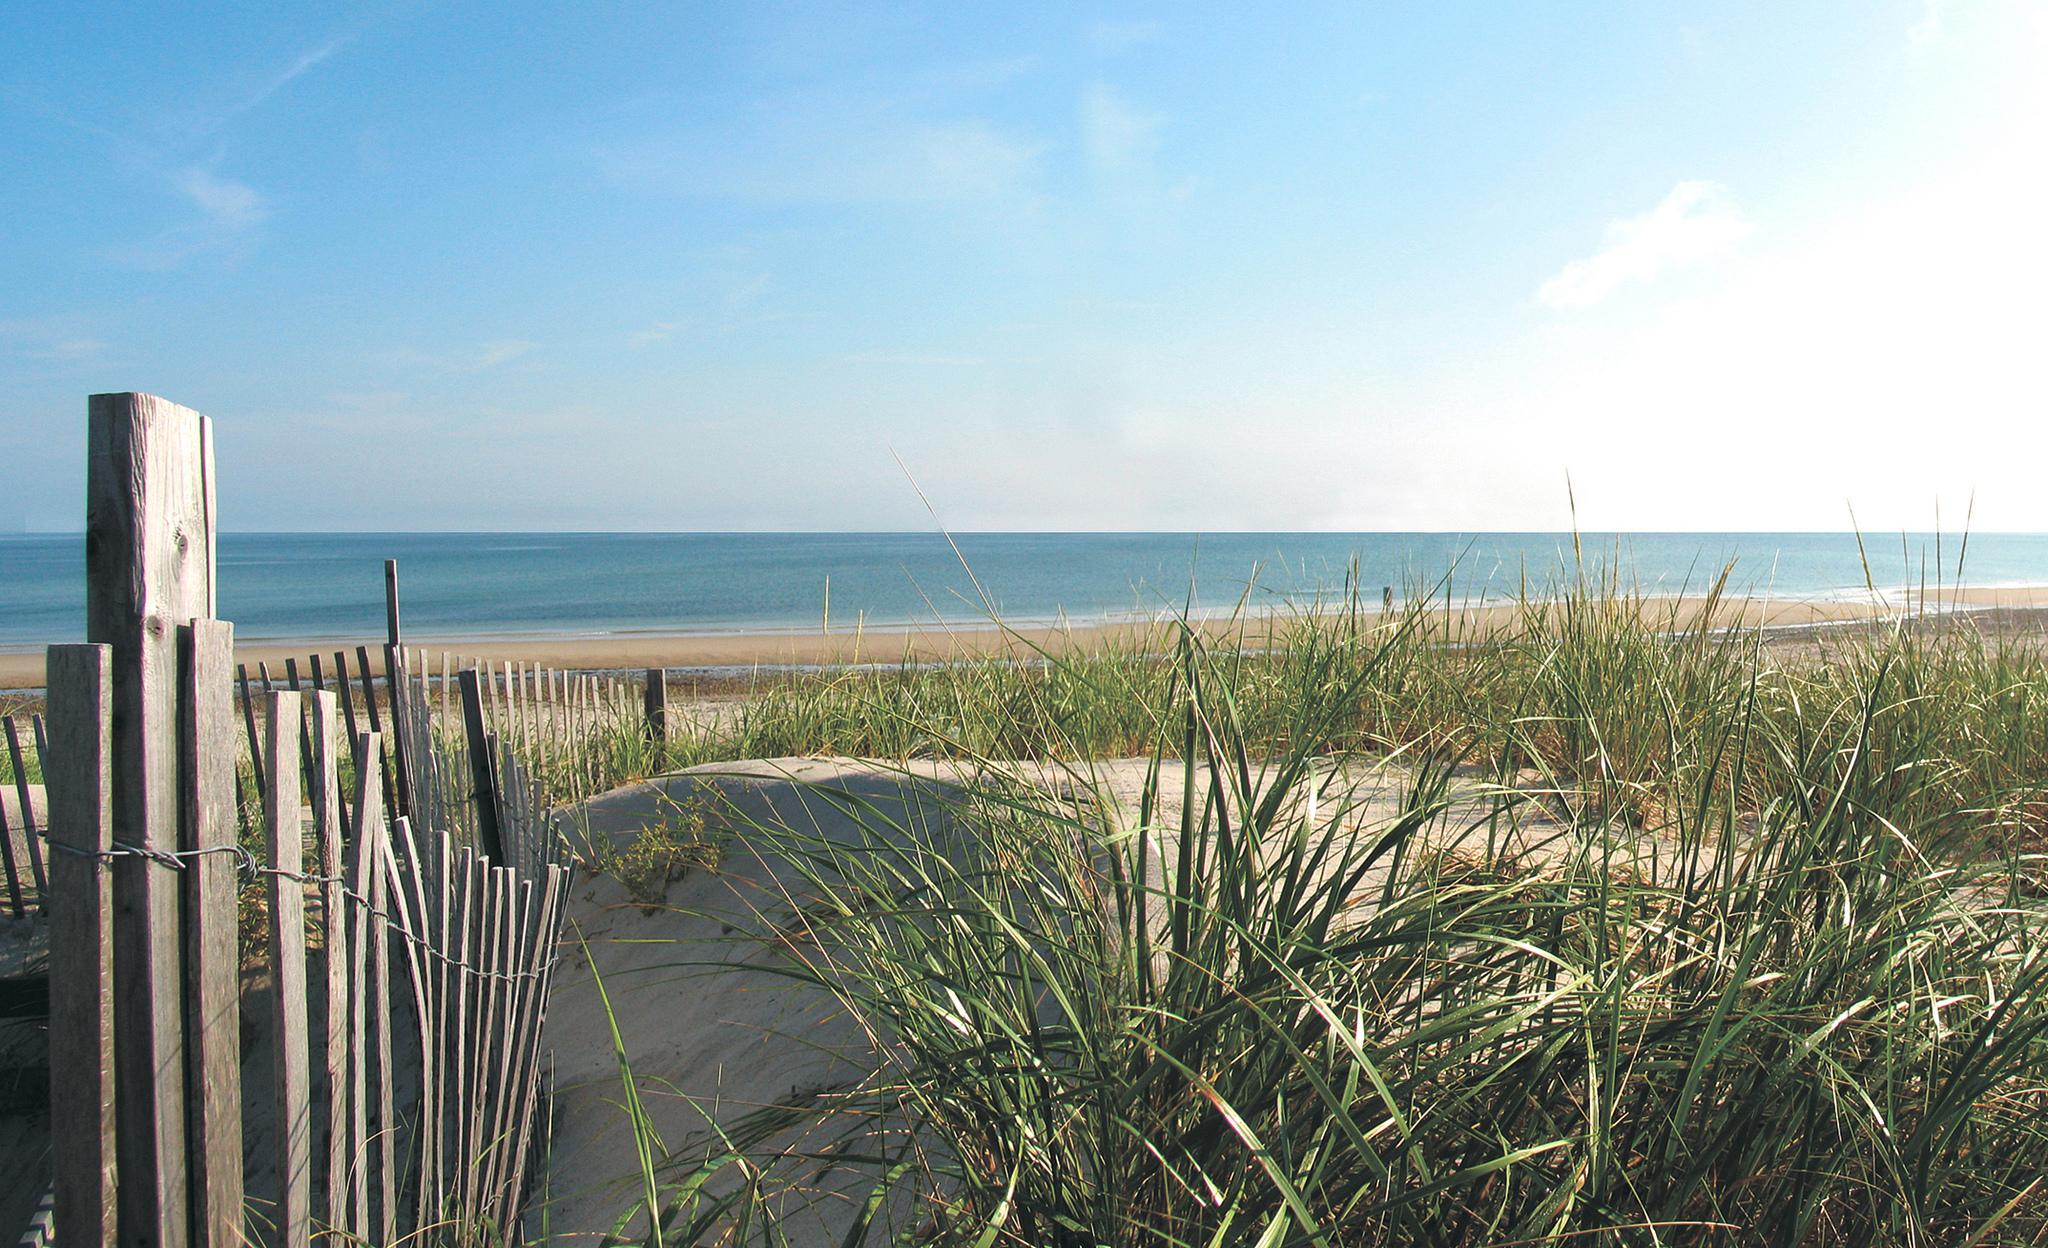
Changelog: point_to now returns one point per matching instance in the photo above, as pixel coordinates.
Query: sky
(1456, 266)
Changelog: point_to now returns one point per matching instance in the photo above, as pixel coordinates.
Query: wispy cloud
(56, 340)
(1112, 37)
(912, 359)
(1120, 142)
(369, 400)
(657, 332)
(1932, 19)
(479, 359)
(299, 65)
(170, 151)
(1117, 136)
(838, 152)
(1695, 223)
(229, 204)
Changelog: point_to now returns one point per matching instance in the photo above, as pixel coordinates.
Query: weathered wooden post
(657, 707)
(78, 775)
(149, 557)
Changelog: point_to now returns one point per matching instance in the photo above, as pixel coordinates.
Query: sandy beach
(24, 669)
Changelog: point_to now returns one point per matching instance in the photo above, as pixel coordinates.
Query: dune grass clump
(1664, 942)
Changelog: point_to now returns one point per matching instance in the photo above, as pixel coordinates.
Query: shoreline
(740, 651)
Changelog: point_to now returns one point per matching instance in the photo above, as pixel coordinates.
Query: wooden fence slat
(519, 924)
(284, 839)
(483, 790)
(397, 695)
(361, 864)
(31, 826)
(319, 687)
(389, 767)
(328, 821)
(149, 568)
(439, 909)
(291, 673)
(375, 832)
(458, 1031)
(348, 706)
(78, 782)
(657, 707)
(483, 1040)
(410, 912)
(249, 721)
(541, 965)
(447, 679)
(213, 965)
(13, 865)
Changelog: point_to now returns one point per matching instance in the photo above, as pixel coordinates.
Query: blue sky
(433, 266)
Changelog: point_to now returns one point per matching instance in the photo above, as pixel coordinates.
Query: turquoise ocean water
(330, 586)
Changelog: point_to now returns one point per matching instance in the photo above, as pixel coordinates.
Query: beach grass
(1673, 936)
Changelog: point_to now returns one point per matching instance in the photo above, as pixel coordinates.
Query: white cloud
(227, 203)
(1888, 356)
(1695, 223)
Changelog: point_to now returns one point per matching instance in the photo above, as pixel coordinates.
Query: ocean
(304, 586)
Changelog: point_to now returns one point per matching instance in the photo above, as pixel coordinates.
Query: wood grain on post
(149, 567)
(284, 838)
(78, 779)
(213, 969)
(327, 824)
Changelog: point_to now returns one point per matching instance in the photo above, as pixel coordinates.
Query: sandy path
(709, 1033)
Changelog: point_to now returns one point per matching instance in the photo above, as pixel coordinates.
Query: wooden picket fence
(544, 733)
(409, 962)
